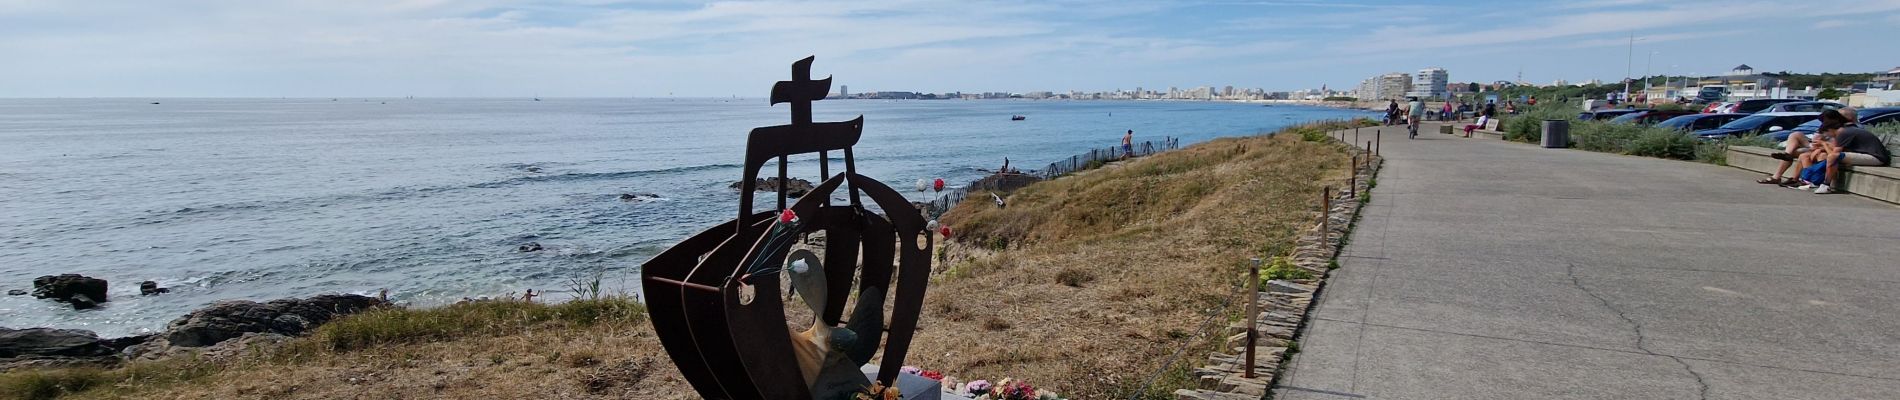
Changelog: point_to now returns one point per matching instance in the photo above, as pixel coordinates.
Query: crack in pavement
(1571, 269)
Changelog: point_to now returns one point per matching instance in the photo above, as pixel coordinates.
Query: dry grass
(503, 349)
(1106, 273)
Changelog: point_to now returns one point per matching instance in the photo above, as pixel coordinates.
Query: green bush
(1282, 268)
(1528, 126)
(1636, 140)
(1662, 143)
(497, 317)
(1312, 135)
(51, 383)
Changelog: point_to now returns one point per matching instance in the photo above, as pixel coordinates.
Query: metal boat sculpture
(715, 298)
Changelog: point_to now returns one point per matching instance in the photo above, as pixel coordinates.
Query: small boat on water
(1017, 117)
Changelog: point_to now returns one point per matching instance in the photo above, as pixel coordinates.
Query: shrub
(1528, 126)
(31, 383)
(1282, 268)
(1636, 140)
(1311, 134)
(395, 325)
(1074, 277)
(1661, 143)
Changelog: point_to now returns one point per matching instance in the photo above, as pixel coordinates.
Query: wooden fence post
(1352, 183)
(1325, 214)
(1253, 314)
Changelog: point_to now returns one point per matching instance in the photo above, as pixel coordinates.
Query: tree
(1829, 94)
(1474, 87)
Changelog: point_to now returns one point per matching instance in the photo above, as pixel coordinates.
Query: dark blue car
(1758, 124)
(1696, 122)
(1607, 114)
(1868, 117)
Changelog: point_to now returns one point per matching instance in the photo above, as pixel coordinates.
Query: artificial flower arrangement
(877, 391)
(1005, 389)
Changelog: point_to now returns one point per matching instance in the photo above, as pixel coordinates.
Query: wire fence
(1094, 158)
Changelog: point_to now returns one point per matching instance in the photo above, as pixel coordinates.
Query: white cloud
(651, 47)
(1830, 24)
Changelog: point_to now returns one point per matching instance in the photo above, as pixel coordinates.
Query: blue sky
(653, 48)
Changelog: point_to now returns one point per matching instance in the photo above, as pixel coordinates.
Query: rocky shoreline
(216, 331)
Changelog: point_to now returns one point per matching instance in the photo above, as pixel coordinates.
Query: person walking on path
(1128, 144)
(1414, 114)
(1391, 112)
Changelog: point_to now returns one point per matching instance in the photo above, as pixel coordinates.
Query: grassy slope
(502, 349)
(1107, 273)
(1103, 276)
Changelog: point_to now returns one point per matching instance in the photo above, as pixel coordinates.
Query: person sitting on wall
(1853, 145)
(1808, 157)
(1798, 149)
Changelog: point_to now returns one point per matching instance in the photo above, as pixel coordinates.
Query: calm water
(262, 199)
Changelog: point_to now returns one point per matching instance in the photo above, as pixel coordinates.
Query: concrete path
(1492, 270)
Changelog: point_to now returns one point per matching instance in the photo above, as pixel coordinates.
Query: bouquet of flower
(1006, 390)
(877, 391)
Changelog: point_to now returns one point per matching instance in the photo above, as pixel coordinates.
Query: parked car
(1756, 105)
(1711, 94)
(1720, 107)
(1802, 106)
(1649, 117)
(1696, 122)
(1756, 124)
(1868, 117)
(1600, 115)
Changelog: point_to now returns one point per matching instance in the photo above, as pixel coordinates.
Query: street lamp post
(1629, 67)
(1646, 64)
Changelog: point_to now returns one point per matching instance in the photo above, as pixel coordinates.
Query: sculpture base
(913, 387)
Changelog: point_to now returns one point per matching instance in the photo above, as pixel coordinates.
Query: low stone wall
(1283, 308)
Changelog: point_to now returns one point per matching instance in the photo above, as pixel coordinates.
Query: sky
(659, 48)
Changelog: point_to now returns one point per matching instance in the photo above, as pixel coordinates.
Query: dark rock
(1004, 182)
(16, 292)
(232, 318)
(794, 187)
(638, 196)
(81, 302)
(69, 288)
(121, 343)
(150, 288)
(530, 246)
(48, 342)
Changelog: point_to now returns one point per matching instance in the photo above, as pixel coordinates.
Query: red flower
(787, 216)
(933, 375)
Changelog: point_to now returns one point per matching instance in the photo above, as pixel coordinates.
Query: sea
(430, 199)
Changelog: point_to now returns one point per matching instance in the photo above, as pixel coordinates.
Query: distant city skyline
(660, 48)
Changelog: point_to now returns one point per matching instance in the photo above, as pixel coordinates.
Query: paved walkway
(1492, 270)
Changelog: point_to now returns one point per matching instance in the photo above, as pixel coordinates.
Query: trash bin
(1556, 133)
